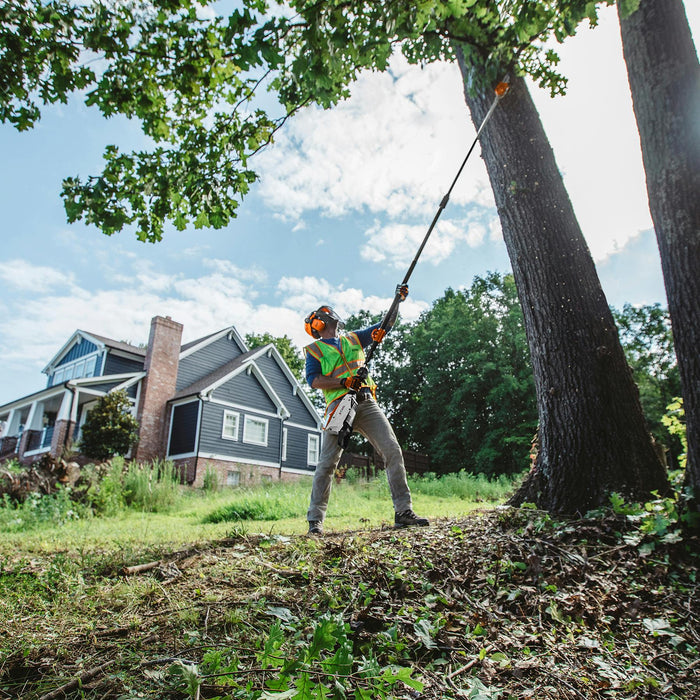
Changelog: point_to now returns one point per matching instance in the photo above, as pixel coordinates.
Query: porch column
(63, 429)
(27, 433)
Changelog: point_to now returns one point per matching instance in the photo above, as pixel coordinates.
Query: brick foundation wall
(194, 471)
(162, 358)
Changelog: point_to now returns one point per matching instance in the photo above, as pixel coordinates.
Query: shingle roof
(192, 343)
(117, 344)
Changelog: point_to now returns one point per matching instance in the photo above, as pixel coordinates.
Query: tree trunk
(592, 435)
(664, 78)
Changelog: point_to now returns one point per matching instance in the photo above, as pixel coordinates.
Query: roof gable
(298, 390)
(243, 363)
(196, 345)
(206, 385)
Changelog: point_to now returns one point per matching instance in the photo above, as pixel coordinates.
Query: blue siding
(205, 361)
(210, 440)
(121, 365)
(245, 389)
(77, 351)
(274, 374)
(297, 448)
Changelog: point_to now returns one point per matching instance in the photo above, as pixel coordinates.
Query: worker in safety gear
(332, 362)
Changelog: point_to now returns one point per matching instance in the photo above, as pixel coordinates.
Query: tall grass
(131, 505)
(465, 486)
(275, 501)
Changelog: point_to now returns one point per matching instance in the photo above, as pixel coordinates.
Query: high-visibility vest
(340, 363)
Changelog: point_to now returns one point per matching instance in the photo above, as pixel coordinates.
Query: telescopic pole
(349, 412)
(500, 90)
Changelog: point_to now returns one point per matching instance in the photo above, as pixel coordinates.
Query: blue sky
(344, 199)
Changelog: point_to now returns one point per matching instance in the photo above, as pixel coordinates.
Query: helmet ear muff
(314, 325)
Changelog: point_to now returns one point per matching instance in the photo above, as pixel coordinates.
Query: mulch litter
(506, 603)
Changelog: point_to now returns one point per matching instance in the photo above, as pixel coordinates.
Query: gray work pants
(371, 422)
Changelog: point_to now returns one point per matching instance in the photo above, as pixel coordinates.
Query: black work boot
(407, 518)
(315, 527)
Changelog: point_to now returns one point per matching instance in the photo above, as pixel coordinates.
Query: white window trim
(68, 370)
(223, 425)
(250, 419)
(317, 438)
(284, 444)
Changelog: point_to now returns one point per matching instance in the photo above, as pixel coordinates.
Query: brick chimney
(162, 358)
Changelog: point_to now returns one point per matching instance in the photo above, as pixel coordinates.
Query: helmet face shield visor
(330, 316)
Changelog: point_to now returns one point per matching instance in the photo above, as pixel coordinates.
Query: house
(211, 404)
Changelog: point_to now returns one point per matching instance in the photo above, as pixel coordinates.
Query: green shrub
(109, 428)
(37, 509)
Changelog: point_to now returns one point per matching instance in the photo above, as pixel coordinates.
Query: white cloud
(393, 147)
(398, 243)
(23, 276)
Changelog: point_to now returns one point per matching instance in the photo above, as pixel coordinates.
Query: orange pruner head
(501, 89)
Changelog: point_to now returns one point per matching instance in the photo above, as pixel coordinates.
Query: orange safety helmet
(317, 320)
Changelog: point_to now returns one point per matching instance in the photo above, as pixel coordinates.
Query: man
(332, 363)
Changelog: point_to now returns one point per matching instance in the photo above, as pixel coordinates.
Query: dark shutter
(183, 434)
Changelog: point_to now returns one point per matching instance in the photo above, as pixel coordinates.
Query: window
(90, 365)
(255, 431)
(233, 478)
(284, 444)
(312, 449)
(229, 431)
(84, 367)
(78, 369)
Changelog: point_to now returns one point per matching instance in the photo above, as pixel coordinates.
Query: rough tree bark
(664, 78)
(592, 435)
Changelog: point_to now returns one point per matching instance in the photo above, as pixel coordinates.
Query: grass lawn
(277, 508)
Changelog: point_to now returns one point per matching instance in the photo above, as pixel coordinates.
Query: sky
(344, 199)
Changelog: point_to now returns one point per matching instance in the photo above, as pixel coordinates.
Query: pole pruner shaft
(500, 91)
(351, 405)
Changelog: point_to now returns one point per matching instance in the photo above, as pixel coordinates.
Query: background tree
(664, 78)
(110, 428)
(645, 333)
(463, 389)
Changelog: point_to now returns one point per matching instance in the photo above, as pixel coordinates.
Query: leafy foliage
(646, 337)
(109, 428)
(674, 422)
(458, 383)
(192, 79)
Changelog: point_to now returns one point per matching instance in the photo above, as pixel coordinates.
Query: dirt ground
(504, 604)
